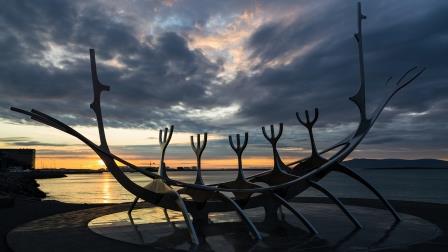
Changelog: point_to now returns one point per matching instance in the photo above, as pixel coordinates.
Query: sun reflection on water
(106, 189)
(103, 188)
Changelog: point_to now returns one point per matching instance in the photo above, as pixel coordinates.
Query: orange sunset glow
(231, 72)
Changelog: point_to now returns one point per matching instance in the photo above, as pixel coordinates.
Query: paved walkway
(69, 231)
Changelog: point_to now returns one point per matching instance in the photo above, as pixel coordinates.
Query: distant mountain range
(396, 163)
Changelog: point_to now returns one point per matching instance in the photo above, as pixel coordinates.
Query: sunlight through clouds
(215, 114)
(218, 66)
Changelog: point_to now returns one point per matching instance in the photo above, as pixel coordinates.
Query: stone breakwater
(15, 183)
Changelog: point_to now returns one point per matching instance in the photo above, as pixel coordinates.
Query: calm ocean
(428, 185)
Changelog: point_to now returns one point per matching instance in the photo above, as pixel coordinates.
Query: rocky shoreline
(6, 200)
(15, 183)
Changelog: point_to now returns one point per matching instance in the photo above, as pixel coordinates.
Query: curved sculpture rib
(360, 179)
(338, 203)
(302, 218)
(253, 230)
(186, 215)
(109, 156)
(104, 153)
(50, 121)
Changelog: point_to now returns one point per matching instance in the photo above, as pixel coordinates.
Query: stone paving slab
(70, 231)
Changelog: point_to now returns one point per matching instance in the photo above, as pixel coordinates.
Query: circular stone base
(149, 227)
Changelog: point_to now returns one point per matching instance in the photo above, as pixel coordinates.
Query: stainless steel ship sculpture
(283, 182)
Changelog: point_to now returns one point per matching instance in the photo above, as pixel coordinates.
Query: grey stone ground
(73, 227)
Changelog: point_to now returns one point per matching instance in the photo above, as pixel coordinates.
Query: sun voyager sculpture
(281, 184)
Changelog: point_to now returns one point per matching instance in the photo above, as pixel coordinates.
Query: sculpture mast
(360, 97)
(96, 104)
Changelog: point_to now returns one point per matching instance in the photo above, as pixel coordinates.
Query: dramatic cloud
(229, 66)
(25, 141)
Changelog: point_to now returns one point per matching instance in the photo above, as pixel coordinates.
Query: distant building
(17, 159)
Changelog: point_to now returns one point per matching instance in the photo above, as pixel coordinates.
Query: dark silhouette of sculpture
(284, 182)
(198, 151)
(164, 141)
(315, 160)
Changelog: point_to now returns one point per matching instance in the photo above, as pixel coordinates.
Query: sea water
(426, 185)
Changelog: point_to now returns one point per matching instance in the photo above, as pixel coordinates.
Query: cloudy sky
(224, 67)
